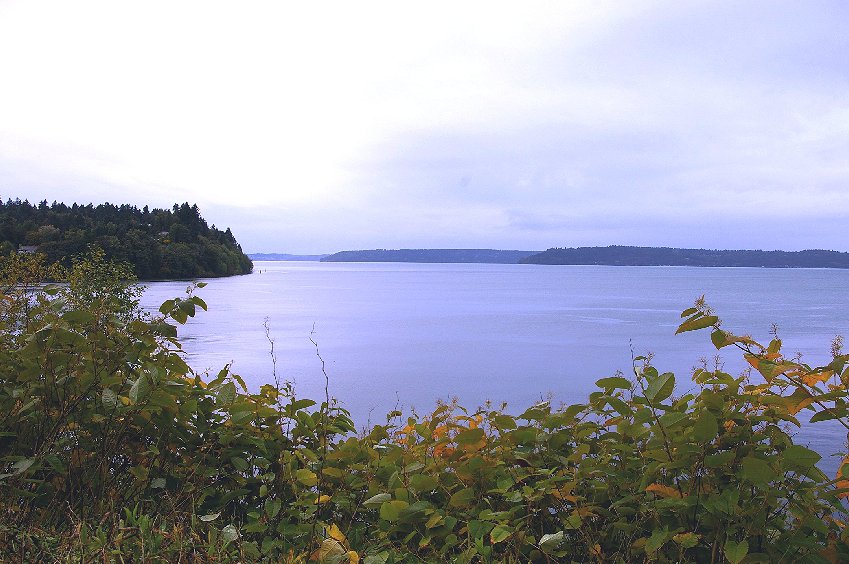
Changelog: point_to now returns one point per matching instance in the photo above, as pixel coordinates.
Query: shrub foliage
(112, 448)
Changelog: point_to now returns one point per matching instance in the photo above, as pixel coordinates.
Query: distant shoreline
(491, 256)
(667, 256)
(614, 255)
(284, 256)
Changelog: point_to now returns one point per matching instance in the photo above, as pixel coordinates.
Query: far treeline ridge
(614, 255)
(664, 256)
(158, 243)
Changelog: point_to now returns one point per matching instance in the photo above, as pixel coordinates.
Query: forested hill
(159, 243)
(430, 255)
(664, 256)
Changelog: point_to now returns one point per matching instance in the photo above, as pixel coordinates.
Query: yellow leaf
(663, 491)
(334, 533)
(330, 550)
(323, 498)
(353, 557)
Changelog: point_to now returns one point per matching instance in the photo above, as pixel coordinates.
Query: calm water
(407, 334)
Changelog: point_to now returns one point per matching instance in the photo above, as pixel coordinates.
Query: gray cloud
(702, 124)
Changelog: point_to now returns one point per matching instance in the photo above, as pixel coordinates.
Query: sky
(314, 127)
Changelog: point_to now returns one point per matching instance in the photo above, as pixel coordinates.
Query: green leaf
(391, 510)
(306, 476)
(78, 316)
(302, 404)
(827, 415)
(239, 464)
(22, 466)
(800, 457)
(109, 399)
(735, 552)
(656, 540)
(697, 322)
(549, 542)
(660, 387)
(672, 418)
(706, 427)
(469, 436)
(210, 517)
(756, 470)
(573, 521)
(478, 529)
(500, 533)
(721, 338)
(139, 389)
(423, 482)
(614, 382)
(166, 306)
(688, 312)
(504, 422)
(157, 484)
(620, 406)
(229, 534)
(686, 540)
(720, 459)
(462, 498)
(227, 394)
(56, 463)
(377, 500)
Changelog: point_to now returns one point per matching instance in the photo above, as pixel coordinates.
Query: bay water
(402, 335)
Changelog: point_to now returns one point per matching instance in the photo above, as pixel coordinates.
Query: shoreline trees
(159, 244)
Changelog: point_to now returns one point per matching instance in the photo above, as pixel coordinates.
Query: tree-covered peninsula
(620, 255)
(158, 243)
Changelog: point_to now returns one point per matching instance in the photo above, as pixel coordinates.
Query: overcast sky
(320, 126)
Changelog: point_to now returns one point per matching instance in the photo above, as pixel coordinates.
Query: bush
(112, 448)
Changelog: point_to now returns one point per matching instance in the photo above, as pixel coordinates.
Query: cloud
(311, 128)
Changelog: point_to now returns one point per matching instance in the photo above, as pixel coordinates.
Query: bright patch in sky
(317, 127)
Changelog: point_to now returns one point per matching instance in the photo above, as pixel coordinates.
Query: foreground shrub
(112, 448)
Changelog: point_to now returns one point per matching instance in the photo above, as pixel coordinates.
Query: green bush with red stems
(113, 449)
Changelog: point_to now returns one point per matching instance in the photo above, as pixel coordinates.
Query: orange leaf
(663, 491)
(814, 378)
(564, 493)
(596, 550)
(440, 431)
(842, 484)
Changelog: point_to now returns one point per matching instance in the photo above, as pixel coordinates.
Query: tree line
(159, 243)
(620, 255)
